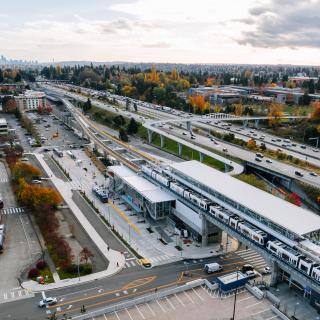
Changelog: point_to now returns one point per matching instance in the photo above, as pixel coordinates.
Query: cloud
(286, 23)
(157, 45)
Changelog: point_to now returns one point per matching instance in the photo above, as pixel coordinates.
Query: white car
(266, 270)
(35, 181)
(251, 273)
(47, 302)
(268, 160)
(24, 159)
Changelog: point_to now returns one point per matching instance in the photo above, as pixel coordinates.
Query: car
(35, 181)
(225, 150)
(258, 159)
(273, 140)
(50, 301)
(298, 173)
(266, 270)
(24, 159)
(216, 143)
(313, 174)
(251, 273)
(211, 139)
(184, 133)
(303, 147)
(193, 137)
(293, 144)
(315, 150)
(268, 160)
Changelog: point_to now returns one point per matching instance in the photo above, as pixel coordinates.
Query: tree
(1, 76)
(127, 104)
(87, 106)
(123, 135)
(304, 100)
(238, 110)
(132, 127)
(25, 171)
(119, 121)
(315, 114)
(135, 106)
(275, 113)
(9, 104)
(85, 255)
(252, 144)
(17, 78)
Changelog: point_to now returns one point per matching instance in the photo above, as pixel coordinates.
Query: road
(125, 285)
(145, 108)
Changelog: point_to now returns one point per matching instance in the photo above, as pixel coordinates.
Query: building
(3, 127)
(140, 194)
(269, 213)
(31, 101)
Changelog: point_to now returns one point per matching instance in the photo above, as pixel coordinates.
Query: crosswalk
(3, 173)
(13, 210)
(252, 257)
(155, 261)
(15, 294)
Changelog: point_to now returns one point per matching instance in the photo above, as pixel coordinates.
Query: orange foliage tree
(238, 109)
(199, 102)
(315, 114)
(251, 144)
(275, 113)
(25, 171)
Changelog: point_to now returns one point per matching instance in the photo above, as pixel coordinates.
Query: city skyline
(264, 32)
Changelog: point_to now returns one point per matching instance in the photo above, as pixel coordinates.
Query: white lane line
(188, 297)
(128, 259)
(129, 314)
(179, 299)
(142, 316)
(197, 294)
(255, 304)
(150, 309)
(161, 307)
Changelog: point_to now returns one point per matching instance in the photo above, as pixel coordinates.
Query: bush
(41, 265)
(33, 273)
(87, 268)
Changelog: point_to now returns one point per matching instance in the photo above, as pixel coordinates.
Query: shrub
(41, 265)
(87, 268)
(34, 272)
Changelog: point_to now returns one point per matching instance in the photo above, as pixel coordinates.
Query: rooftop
(3, 122)
(266, 205)
(148, 190)
(231, 277)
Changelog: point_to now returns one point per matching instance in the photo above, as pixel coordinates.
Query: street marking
(170, 303)
(150, 309)
(254, 314)
(69, 307)
(142, 316)
(179, 299)
(116, 315)
(161, 306)
(19, 293)
(251, 297)
(272, 317)
(197, 294)
(252, 305)
(188, 297)
(105, 317)
(129, 314)
(5, 296)
(134, 290)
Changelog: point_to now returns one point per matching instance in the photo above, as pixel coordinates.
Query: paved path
(115, 258)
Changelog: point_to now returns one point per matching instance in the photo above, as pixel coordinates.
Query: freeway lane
(108, 291)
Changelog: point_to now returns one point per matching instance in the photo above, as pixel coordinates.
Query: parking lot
(197, 303)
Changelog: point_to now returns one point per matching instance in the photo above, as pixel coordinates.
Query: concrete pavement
(116, 259)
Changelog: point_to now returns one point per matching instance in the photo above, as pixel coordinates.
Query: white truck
(212, 267)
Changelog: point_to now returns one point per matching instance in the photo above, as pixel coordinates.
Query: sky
(178, 31)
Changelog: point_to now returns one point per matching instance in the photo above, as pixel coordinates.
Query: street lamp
(235, 296)
(295, 308)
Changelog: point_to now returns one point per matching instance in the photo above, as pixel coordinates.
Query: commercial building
(31, 101)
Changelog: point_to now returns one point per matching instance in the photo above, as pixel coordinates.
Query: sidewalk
(116, 259)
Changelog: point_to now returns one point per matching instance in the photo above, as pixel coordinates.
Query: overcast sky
(186, 31)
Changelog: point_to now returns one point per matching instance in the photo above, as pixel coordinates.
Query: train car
(163, 180)
(253, 233)
(2, 237)
(147, 170)
(234, 220)
(176, 188)
(223, 215)
(305, 265)
(315, 272)
(186, 194)
(286, 253)
(204, 204)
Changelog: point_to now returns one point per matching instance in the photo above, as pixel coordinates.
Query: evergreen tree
(132, 127)
(123, 135)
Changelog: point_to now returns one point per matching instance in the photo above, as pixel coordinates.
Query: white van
(212, 267)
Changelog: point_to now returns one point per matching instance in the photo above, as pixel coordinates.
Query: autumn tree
(217, 108)
(252, 144)
(85, 255)
(9, 104)
(175, 74)
(238, 109)
(25, 171)
(275, 113)
(315, 114)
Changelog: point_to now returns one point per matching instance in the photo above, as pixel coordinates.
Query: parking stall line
(129, 314)
(116, 315)
(172, 306)
(188, 297)
(142, 316)
(247, 298)
(197, 294)
(161, 307)
(105, 317)
(262, 311)
(272, 317)
(255, 304)
(150, 309)
(179, 299)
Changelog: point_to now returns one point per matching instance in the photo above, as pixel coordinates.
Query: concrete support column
(204, 231)
(274, 273)
(245, 123)
(189, 126)
(179, 149)
(201, 156)
(162, 141)
(150, 133)
(256, 123)
(96, 147)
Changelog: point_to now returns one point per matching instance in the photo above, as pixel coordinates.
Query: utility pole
(317, 139)
(235, 297)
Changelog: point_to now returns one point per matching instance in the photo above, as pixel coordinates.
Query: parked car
(266, 270)
(268, 160)
(298, 173)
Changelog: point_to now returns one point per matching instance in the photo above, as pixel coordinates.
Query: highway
(278, 166)
(123, 286)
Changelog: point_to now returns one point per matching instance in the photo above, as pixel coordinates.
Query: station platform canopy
(289, 216)
(141, 185)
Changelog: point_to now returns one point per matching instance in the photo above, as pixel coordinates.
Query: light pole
(79, 266)
(295, 308)
(235, 297)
